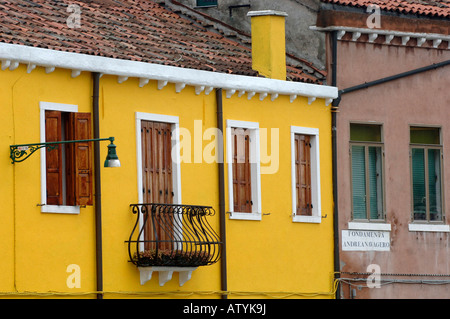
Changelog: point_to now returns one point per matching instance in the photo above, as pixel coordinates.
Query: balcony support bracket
(165, 274)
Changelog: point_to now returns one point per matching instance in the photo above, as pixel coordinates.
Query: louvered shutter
(156, 146)
(303, 174)
(53, 158)
(242, 190)
(359, 182)
(80, 173)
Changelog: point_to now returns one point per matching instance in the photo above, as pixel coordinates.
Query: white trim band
(125, 68)
(373, 33)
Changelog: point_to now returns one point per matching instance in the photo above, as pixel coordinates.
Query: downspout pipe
(97, 195)
(222, 213)
(335, 104)
(391, 78)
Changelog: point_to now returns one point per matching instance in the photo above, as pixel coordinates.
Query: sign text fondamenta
(365, 240)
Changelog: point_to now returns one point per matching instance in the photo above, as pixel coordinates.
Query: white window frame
(176, 158)
(316, 215)
(60, 209)
(255, 170)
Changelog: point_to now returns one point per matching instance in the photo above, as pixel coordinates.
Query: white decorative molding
(199, 89)
(293, 97)
(356, 35)
(165, 274)
(75, 73)
(389, 35)
(179, 87)
(51, 59)
(49, 69)
(230, 93)
(5, 64)
(208, 89)
(162, 84)
(421, 41)
(143, 82)
(311, 99)
(372, 37)
(405, 39)
(14, 65)
(30, 67)
(436, 42)
(388, 38)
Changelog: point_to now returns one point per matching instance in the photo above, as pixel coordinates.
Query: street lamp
(20, 152)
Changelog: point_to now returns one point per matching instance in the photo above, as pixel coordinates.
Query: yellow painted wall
(270, 255)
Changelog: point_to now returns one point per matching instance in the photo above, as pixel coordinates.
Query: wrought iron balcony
(173, 235)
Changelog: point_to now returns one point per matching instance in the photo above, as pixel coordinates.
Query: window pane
(434, 184)
(418, 177)
(365, 133)
(375, 184)
(425, 135)
(359, 182)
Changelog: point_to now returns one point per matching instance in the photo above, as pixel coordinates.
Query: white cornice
(13, 54)
(390, 34)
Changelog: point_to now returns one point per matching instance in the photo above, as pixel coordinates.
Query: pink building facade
(391, 151)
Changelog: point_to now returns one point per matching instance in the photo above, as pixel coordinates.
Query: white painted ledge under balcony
(165, 274)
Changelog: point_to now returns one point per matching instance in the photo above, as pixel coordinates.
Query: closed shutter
(53, 158)
(418, 177)
(303, 174)
(359, 182)
(156, 146)
(81, 157)
(242, 190)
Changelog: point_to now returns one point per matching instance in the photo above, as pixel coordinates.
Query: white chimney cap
(266, 13)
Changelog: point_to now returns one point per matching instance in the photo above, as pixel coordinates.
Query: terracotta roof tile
(430, 8)
(128, 29)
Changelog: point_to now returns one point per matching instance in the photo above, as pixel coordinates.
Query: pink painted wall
(422, 99)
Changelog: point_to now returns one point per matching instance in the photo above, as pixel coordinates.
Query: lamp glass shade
(112, 160)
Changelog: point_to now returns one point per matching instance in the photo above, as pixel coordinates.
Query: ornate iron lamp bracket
(20, 152)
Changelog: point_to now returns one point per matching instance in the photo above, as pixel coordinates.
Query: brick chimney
(269, 43)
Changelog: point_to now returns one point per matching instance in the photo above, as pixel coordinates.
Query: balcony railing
(173, 235)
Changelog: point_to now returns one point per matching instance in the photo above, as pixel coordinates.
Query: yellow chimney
(269, 43)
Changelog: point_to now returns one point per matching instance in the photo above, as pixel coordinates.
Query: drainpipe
(97, 195)
(334, 161)
(223, 259)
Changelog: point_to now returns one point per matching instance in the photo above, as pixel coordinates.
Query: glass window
(366, 150)
(426, 168)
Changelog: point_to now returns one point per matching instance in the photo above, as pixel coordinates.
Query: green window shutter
(434, 183)
(418, 177)
(359, 182)
(375, 185)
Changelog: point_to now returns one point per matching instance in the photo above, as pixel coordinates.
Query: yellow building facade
(68, 250)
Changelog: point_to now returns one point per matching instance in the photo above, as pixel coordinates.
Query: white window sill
(57, 209)
(306, 219)
(245, 216)
(429, 227)
(369, 226)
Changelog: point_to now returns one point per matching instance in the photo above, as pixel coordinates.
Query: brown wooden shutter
(303, 174)
(242, 191)
(157, 185)
(79, 160)
(53, 158)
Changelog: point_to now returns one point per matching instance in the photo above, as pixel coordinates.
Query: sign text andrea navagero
(365, 240)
